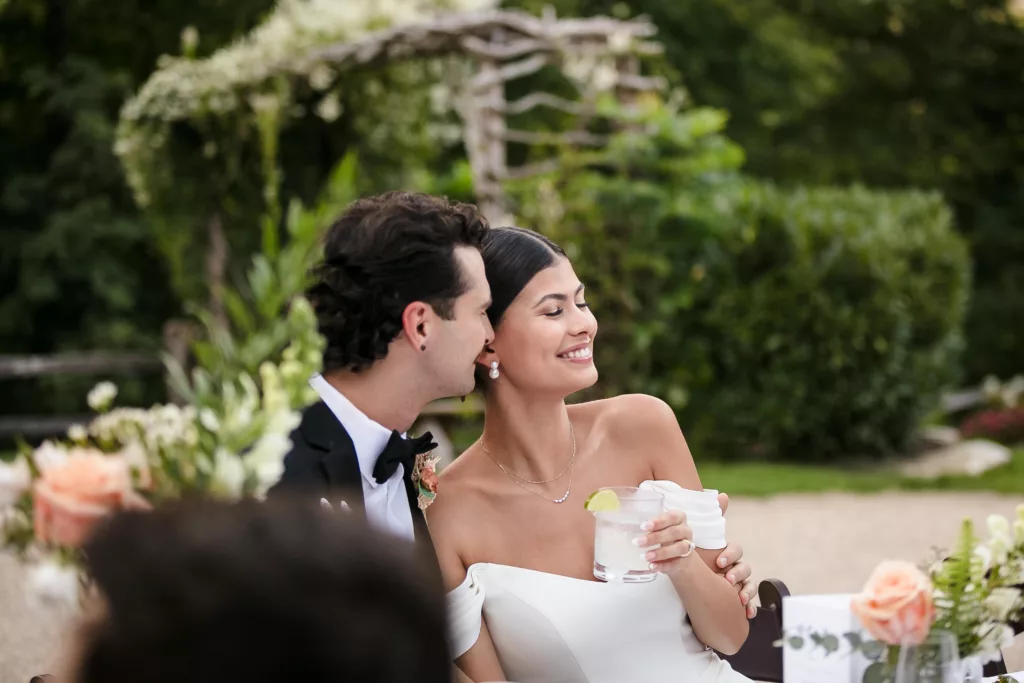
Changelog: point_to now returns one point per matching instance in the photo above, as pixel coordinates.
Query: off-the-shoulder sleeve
(465, 612)
(703, 513)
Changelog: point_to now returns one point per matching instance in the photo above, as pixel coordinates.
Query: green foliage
(219, 139)
(259, 324)
(800, 324)
(827, 323)
(961, 606)
(79, 268)
(887, 93)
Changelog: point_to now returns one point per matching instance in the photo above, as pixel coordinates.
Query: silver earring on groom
(494, 370)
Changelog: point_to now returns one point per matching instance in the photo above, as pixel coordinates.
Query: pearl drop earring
(494, 370)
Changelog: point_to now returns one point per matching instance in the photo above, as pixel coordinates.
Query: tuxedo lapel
(338, 461)
(328, 449)
(419, 523)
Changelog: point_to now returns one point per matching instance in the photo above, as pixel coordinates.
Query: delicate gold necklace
(516, 478)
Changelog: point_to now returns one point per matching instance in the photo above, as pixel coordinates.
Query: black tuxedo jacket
(323, 464)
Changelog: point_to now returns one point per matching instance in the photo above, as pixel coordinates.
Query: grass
(766, 479)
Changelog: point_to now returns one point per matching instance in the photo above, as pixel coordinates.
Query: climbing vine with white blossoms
(254, 76)
(200, 141)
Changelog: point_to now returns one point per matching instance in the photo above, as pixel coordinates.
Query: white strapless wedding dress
(548, 628)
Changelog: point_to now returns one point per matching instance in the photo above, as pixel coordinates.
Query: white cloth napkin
(703, 513)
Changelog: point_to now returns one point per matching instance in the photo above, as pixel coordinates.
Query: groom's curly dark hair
(382, 254)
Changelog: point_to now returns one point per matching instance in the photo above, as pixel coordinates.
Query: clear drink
(616, 555)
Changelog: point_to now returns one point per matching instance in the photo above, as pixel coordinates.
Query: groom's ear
(417, 324)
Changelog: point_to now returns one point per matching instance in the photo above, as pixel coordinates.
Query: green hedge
(798, 324)
(826, 324)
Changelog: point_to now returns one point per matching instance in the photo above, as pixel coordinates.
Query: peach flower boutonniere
(424, 476)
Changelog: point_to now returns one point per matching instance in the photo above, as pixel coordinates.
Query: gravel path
(815, 543)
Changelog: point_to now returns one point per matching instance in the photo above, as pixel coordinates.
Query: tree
(78, 264)
(890, 93)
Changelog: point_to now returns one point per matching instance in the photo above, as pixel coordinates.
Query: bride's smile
(580, 353)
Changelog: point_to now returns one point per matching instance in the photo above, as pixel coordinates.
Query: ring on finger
(689, 548)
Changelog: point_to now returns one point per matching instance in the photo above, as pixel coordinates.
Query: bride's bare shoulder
(647, 426)
(629, 414)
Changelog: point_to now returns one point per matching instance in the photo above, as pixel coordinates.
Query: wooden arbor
(598, 55)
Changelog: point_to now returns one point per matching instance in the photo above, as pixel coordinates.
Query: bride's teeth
(580, 353)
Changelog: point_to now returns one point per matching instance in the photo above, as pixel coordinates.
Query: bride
(512, 536)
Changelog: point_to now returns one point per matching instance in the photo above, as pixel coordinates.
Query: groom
(401, 297)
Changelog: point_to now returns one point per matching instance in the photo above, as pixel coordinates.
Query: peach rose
(71, 497)
(429, 479)
(896, 605)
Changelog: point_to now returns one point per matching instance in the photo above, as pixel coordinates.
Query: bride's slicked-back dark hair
(512, 257)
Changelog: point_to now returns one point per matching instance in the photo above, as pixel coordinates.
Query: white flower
(266, 460)
(998, 525)
(320, 77)
(329, 108)
(984, 558)
(135, 455)
(208, 419)
(48, 454)
(994, 637)
(1001, 602)
(51, 584)
(77, 433)
(283, 421)
(1018, 531)
(15, 478)
(228, 473)
(264, 103)
(101, 396)
(1000, 547)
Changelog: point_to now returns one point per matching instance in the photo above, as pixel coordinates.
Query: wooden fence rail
(87, 363)
(102, 363)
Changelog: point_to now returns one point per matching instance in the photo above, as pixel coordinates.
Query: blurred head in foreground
(258, 592)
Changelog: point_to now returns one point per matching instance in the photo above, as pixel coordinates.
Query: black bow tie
(400, 451)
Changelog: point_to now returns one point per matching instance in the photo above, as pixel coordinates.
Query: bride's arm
(718, 617)
(479, 662)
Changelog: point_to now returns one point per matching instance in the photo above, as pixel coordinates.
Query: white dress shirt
(387, 504)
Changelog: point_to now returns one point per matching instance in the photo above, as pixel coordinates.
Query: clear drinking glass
(616, 556)
(936, 660)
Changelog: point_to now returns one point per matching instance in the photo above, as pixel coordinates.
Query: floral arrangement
(228, 439)
(229, 443)
(975, 594)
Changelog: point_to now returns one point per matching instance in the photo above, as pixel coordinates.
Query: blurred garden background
(800, 222)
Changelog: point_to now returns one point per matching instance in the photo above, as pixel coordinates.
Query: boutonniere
(424, 475)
